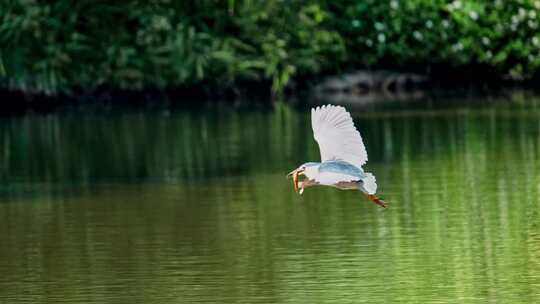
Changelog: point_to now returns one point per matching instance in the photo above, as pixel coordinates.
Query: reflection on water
(177, 207)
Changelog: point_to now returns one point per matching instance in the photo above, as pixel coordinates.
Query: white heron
(342, 155)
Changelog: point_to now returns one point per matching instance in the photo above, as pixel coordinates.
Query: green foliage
(58, 45)
(500, 34)
(62, 44)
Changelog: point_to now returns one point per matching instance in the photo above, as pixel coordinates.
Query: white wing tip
(327, 106)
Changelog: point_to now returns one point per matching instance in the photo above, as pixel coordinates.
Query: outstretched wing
(338, 139)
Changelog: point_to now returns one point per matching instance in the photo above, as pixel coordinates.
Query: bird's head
(306, 169)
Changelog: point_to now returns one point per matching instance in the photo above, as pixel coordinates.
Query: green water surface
(192, 206)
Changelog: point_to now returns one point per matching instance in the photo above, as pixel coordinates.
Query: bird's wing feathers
(342, 167)
(338, 139)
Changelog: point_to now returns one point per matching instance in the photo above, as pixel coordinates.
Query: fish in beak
(295, 173)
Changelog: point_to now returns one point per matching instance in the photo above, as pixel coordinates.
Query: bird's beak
(294, 175)
(291, 173)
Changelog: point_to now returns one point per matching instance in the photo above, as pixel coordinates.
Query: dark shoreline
(451, 85)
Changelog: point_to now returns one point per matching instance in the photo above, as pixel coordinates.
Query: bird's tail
(369, 184)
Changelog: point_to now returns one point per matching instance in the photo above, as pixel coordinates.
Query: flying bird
(342, 155)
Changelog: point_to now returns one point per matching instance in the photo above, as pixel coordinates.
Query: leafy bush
(500, 34)
(48, 46)
(61, 44)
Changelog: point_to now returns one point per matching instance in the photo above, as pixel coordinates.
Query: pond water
(192, 206)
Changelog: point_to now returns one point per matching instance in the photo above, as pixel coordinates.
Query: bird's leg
(376, 200)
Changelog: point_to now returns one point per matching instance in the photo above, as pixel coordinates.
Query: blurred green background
(51, 46)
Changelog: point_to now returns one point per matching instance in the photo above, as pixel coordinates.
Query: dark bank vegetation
(73, 46)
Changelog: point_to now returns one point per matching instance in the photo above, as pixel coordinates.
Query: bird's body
(337, 173)
(342, 154)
